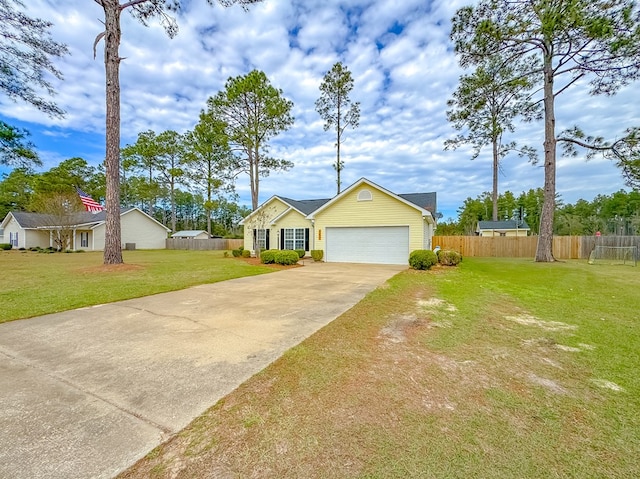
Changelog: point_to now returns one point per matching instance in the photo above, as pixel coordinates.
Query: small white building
(502, 228)
(191, 234)
(30, 230)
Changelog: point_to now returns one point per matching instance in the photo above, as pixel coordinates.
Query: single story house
(191, 234)
(29, 230)
(365, 223)
(502, 228)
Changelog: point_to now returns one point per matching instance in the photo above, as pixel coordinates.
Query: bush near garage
(286, 257)
(317, 254)
(449, 257)
(422, 259)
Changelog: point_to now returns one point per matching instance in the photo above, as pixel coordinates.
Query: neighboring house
(191, 234)
(502, 228)
(365, 223)
(29, 230)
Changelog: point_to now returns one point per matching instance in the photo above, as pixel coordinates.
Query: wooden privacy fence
(204, 244)
(564, 247)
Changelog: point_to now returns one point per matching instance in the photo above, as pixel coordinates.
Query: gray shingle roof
(501, 225)
(186, 233)
(305, 206)
(39, 220)
(423, 200)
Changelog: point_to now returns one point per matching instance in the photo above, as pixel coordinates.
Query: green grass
(33, 284)
(498, 368)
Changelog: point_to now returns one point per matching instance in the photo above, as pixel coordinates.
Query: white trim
(281, 215)
(263, 205)
(259, 208)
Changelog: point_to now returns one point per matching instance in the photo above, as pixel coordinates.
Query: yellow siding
(292, 219)
(381, 210)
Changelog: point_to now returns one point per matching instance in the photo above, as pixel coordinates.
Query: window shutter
(255, 238)
(266, 239)
(306, 239)
(282, 238)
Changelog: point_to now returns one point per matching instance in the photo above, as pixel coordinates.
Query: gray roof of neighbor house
(38, 220)
(188, 233)
(305, 206)
(502, 225)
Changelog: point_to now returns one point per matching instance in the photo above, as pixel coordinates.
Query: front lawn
(33, 283)
(496, 369)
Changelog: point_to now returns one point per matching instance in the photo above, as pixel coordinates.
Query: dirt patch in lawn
(113, 268)
(529, 320)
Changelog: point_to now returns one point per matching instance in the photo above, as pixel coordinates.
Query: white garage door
(381, 244)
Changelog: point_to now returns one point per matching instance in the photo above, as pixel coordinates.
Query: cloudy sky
(404, 69)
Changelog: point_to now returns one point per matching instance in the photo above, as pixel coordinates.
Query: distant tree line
(23, 189)
(615, 214)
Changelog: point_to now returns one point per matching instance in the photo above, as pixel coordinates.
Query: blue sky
(404, 70)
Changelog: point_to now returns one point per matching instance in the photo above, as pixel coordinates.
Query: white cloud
(404, 70)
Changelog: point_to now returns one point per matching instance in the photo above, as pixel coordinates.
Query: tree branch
(99, 37)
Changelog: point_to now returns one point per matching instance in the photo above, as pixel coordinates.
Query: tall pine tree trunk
(112, 241)
(544, 252)
(209, 191)
(254, 176)
(338, 165)
(173, 206)
(494, 192)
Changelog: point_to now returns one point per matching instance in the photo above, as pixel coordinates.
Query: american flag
(89, 203)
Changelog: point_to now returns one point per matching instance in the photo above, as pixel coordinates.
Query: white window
(294, 238)
(84, 239)
(289, 234)
(13, 239)
(365, 195)
(261, 239)
(299, 244)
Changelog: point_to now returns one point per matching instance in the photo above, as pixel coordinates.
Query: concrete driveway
(86, 393)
